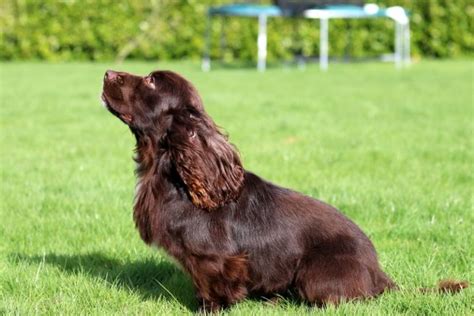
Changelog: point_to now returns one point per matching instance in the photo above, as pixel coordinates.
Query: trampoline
(324, 14)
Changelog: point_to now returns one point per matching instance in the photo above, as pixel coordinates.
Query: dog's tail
(447, 286)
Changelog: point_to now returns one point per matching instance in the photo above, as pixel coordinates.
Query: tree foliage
(172, 29)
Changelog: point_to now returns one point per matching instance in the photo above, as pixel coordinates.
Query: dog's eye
(150, 81)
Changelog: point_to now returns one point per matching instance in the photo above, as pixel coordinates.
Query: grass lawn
(391, 149)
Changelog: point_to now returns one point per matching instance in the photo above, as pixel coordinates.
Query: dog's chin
(126, 118)
(108, 106)
(105, 104)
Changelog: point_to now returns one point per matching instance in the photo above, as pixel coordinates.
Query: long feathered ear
(208, 164)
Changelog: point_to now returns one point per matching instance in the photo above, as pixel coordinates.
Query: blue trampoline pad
(246, 10)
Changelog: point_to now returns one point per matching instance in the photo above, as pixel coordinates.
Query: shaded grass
(392, 150)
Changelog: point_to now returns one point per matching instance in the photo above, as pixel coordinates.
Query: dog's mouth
(105, 103)
(126, 118)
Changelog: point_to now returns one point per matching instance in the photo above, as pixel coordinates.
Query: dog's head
(166, 109)
(140, 101)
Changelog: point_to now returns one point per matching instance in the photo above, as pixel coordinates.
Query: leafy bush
(160, 29)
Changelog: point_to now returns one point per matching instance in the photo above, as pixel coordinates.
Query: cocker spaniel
(233, 232)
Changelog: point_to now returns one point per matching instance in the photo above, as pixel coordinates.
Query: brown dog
(235, 233)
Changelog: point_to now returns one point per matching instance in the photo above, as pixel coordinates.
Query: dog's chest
(145, 211)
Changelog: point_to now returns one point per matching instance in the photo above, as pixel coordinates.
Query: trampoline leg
(206, 59)
(223, 37)
(323, 44)
(262, 42)
(398, 44)
(406, 45)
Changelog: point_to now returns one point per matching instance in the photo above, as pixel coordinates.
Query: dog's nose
(110, 75)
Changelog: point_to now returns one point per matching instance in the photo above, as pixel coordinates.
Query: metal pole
(223, 37)
(407, 48)
(206, 60)
(262, 42)
(398, 45)
(323, 44)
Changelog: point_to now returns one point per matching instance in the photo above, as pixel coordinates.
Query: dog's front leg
(220, 281)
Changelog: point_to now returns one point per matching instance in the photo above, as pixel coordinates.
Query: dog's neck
(146, 151)
(148, 180)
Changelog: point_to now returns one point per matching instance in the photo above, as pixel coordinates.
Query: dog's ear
(209, 166)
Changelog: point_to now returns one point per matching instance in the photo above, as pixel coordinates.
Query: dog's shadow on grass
(148, 278)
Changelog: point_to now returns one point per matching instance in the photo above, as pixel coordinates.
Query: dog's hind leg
(324, 279)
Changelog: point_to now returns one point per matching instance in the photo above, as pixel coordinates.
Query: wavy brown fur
(233, 232)
(452, 286)
(447, 286)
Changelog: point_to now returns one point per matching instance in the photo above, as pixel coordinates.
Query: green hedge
(161, 29)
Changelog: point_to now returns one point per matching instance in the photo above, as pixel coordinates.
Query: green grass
(391, 149)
